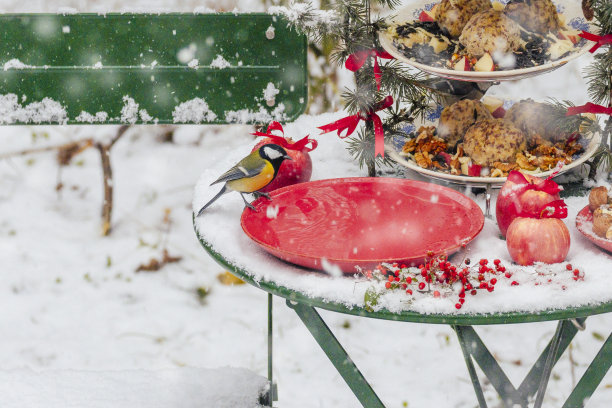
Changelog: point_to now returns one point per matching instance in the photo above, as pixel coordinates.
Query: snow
(195, 110)
(194, 63)
(220, 63)
(188, 388)
(270, 92)
(89, 118)
(47, 110)
(261, 116)
(71, 300)
(129, 112)
(15, 64)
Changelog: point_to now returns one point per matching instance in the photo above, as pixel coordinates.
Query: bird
(251, 174)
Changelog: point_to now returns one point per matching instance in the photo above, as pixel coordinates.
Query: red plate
(584, 223)
(362, 221)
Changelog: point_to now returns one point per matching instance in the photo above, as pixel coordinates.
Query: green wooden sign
(150, 68)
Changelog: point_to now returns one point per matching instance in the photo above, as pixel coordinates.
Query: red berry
(409, 279)
(483, 285)
(496, 262)
(409, 291)
(493, 281)
(458, 306)
(388, 285)
(576, 272)
(397, 279)
(462, 300)
(514, 283)
(404, 286)
(473, 292)
(436, 294)
(391, 278)
(483, 262)
(462, 294)
(569, 267)
(422, 285)
(491, 288)
(508, 275)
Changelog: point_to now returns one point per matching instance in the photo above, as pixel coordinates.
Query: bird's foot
(247, 204)
(258, 194)
(251, 206)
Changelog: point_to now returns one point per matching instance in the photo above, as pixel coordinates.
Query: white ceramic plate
(571, 9)
(394, 151)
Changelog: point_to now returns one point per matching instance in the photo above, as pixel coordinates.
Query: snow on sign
(89, 68)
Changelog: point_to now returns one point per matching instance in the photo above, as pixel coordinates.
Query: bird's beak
(287, 157)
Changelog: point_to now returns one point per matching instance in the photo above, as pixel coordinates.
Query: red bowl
(362, 222)
(584, 223)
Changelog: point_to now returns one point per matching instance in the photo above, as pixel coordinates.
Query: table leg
(591, 377)
(548, 366)
(529, 385)
(272, 393)
(337, 355)
(471, 369)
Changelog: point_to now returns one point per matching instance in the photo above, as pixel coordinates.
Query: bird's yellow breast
(250, 184)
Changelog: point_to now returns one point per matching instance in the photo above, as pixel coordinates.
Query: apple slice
(438, 45)
(497, 6)
(492, 103)
(570, 35)
(462, 64)
(485, 63)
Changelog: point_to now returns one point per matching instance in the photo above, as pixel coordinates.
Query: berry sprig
(438, 277)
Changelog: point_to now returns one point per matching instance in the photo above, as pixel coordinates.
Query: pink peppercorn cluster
(438, 273)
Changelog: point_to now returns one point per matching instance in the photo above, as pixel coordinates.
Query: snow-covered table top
(546, 292)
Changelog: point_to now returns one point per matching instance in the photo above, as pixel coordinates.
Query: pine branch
(599, 78)
(602, 11)
(561, 123)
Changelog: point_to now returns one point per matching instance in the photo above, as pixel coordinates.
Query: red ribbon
(522, 184)
(588, 108)
(355, 62)
(554, 209)
(282, 141)
(599, 40)
(350, 124)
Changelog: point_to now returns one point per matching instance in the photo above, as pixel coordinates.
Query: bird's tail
(219, 194)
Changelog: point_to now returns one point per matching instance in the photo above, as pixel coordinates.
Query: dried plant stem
(107, 179)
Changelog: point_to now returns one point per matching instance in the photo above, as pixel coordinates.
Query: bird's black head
(274, 153)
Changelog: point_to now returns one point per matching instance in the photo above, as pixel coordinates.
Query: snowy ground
(71, 300)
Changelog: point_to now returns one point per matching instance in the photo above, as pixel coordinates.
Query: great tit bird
(252, 173)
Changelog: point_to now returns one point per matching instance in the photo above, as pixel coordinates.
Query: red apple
(532, 240)
(290, 172)
(510, 205)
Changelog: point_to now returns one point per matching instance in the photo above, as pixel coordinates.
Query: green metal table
(570, 321)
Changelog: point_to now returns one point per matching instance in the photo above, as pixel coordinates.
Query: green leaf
(371, 299)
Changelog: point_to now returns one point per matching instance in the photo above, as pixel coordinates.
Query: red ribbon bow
(588, 108)
(522, 184)
(280, 140)
(355, 62)
(350, 124)
(599, 40)
(554, 209)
